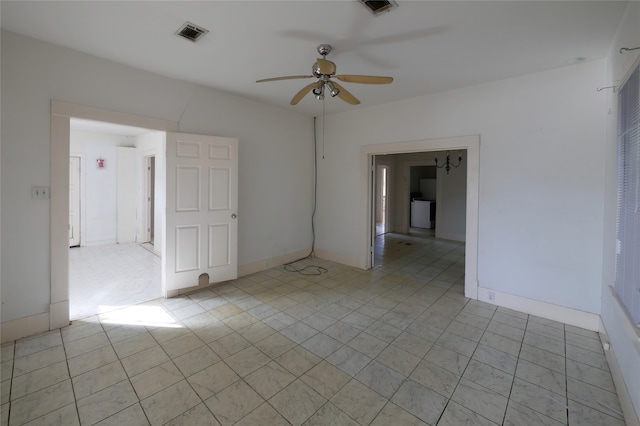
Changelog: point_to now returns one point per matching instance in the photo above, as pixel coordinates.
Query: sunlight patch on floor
(149, 316)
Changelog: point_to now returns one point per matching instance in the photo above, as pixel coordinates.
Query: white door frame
(472, 145)
(81, 195)
(149, 195)
(61, 114)
(382, 206)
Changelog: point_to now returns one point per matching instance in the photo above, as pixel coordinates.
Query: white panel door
(201, 210)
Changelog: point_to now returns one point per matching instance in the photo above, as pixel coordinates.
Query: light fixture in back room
(448, 163)
(191, 31)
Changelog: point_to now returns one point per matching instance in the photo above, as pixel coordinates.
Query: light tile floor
(397, 345)
(107, 277)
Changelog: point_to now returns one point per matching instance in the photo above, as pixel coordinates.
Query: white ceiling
(427, 46)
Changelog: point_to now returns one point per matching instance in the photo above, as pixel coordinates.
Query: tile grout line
(73, 389)
(328, 400)
(467, 366)
(516, 368)
(42, 368)
(13, 367)
(125, 372)
(407, 378)
(184, 377)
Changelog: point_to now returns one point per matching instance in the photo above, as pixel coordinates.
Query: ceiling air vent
(191, 31)
(379, 6)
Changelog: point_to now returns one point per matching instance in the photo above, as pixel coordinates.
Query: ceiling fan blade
(365, 79)
(306, 89)
(289, 77)
(345, 95)
(326, 67)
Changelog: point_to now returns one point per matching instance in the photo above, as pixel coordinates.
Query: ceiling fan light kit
(323, 70)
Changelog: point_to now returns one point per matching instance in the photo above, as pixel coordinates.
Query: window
(628, 220)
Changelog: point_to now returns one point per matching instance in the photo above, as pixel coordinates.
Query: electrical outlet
(39, 192)
(491, 296)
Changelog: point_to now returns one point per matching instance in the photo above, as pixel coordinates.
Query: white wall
(126, 195)
(540, 234)
(622, 334)
(451, 199)
(276, 154)
(98, 186)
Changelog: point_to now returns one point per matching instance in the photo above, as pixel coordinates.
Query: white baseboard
(338, 258)
(546, 310)
(451, 236)
(263, 265)
(247, 269)
(23, 327)
(99, 242)
(630, 417)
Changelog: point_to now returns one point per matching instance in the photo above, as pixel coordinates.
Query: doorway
(75, 173)
(367, 213)
(108, 267)
(220, 152)
(150, 201)
(61, 114)
(382, 200)
(151, 197)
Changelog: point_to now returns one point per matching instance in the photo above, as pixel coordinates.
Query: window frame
(627, 272)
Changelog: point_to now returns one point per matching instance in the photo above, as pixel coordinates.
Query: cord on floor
(310, 269)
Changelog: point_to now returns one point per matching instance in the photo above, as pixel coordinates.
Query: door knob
(233, 216)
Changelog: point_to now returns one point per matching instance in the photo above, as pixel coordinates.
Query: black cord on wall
(310, 269)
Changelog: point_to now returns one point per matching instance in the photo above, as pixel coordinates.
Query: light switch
(40, 192)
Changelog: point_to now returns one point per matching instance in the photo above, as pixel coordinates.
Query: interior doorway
(108, 267)
(150, 197)
(368, 212)
(61, 115)
(382, 200)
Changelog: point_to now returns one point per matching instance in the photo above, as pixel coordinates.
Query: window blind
(627, 281)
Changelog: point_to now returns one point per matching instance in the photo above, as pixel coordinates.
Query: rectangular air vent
(191, 31)
(379, 6)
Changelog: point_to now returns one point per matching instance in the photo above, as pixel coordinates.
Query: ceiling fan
(323, 70)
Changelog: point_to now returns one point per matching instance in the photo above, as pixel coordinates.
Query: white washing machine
(422, 213)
